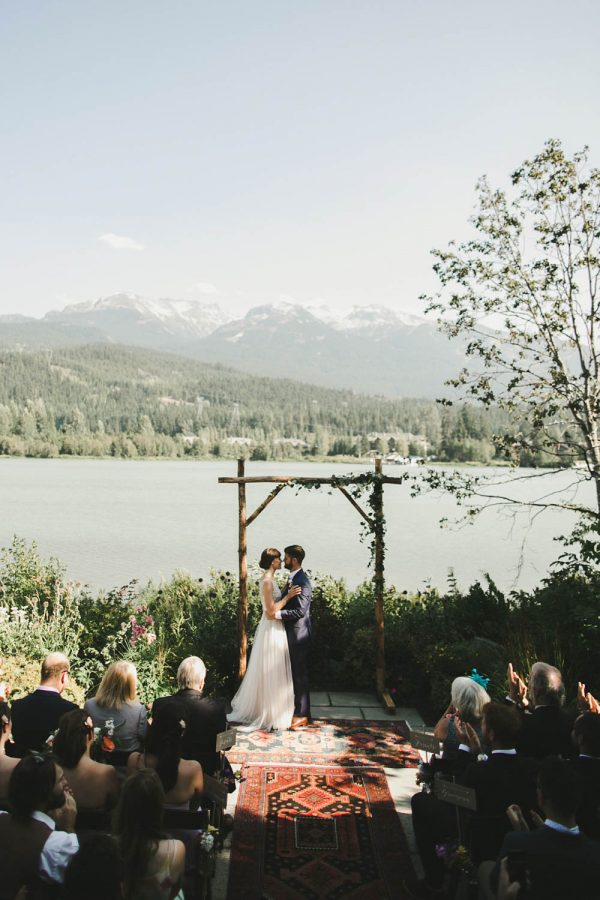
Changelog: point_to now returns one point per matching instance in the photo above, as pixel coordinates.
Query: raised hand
(586, 701)
(517, 688)
(466, 734)
(517, 820)
(536, 818)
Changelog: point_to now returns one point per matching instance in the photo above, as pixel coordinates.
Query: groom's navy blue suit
(296, 618)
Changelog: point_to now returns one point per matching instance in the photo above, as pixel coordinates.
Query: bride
(265, 698)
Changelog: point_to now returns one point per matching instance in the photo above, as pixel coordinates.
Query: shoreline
(316, 460)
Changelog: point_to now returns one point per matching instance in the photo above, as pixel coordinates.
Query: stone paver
(351, 698)
(336, 712)
(410, 715)
(319, 698)
(378, 714)
(402, 785)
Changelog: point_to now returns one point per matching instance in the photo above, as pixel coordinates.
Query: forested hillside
(105, 400)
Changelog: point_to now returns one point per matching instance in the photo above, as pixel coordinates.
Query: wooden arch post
(243, 571)
(379, 581)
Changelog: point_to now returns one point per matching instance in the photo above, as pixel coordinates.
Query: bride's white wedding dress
(265, 698)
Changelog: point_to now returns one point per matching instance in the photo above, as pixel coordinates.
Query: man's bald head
(55, 669)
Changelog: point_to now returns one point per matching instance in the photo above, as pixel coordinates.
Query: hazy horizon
(245, 153)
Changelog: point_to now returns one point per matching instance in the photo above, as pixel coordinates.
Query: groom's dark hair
(296, 552)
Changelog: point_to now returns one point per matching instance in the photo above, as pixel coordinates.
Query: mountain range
(371, 349)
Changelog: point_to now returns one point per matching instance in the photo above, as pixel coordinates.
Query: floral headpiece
(479, 679)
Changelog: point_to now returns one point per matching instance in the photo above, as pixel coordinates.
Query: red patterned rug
(347, 742)
(305, 833)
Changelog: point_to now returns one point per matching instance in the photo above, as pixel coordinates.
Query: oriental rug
(347, 742)
(307, 833)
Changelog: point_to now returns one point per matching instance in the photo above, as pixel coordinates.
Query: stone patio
(401, 782)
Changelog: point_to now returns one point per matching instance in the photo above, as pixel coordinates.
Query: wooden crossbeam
(285, 479)
(264, 504)
(356, 506)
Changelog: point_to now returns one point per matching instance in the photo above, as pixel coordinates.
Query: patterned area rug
(347, 742)
(306, 833)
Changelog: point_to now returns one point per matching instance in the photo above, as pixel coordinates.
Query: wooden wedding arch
(374, 522)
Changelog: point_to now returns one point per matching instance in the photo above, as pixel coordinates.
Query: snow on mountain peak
(189, 317)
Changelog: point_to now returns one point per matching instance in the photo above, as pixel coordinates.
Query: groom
(296, 618)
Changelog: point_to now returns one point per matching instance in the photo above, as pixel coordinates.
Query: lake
(110, 521)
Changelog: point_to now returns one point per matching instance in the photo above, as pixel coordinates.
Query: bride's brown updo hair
(267, 557)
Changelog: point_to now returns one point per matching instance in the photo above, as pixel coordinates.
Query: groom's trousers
(299, 653)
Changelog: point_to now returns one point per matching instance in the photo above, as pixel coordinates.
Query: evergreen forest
(100, 400)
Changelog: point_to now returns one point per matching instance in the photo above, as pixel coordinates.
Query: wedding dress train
(265, 698)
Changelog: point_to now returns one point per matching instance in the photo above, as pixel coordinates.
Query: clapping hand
(517, 820)
(517, 688)
(586, 701)
(466, 734)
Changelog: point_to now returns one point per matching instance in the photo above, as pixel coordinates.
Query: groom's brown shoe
(299, 722)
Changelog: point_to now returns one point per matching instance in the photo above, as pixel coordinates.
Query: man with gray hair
(546, 727)
(204, 718)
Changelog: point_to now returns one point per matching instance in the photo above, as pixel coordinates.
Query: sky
(243, 152)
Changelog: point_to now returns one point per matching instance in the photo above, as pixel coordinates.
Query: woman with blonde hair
(116, 700)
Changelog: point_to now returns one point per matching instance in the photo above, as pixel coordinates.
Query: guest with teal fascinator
(468, 696)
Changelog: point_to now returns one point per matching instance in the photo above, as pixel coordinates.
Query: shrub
(430, 637)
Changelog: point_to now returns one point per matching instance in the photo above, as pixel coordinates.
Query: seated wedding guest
(94, 785)
(497, 781)
(36, 716)
(503, 779)
(36, 836)
(116, 699)
(586, 738)
(546, 728)
(560, 862)
(96, 871)
(182, 779)
(7, 763)
(153, 863)
(467, 699)
(204, 718)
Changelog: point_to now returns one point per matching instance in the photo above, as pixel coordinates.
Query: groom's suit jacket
(296, 615)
